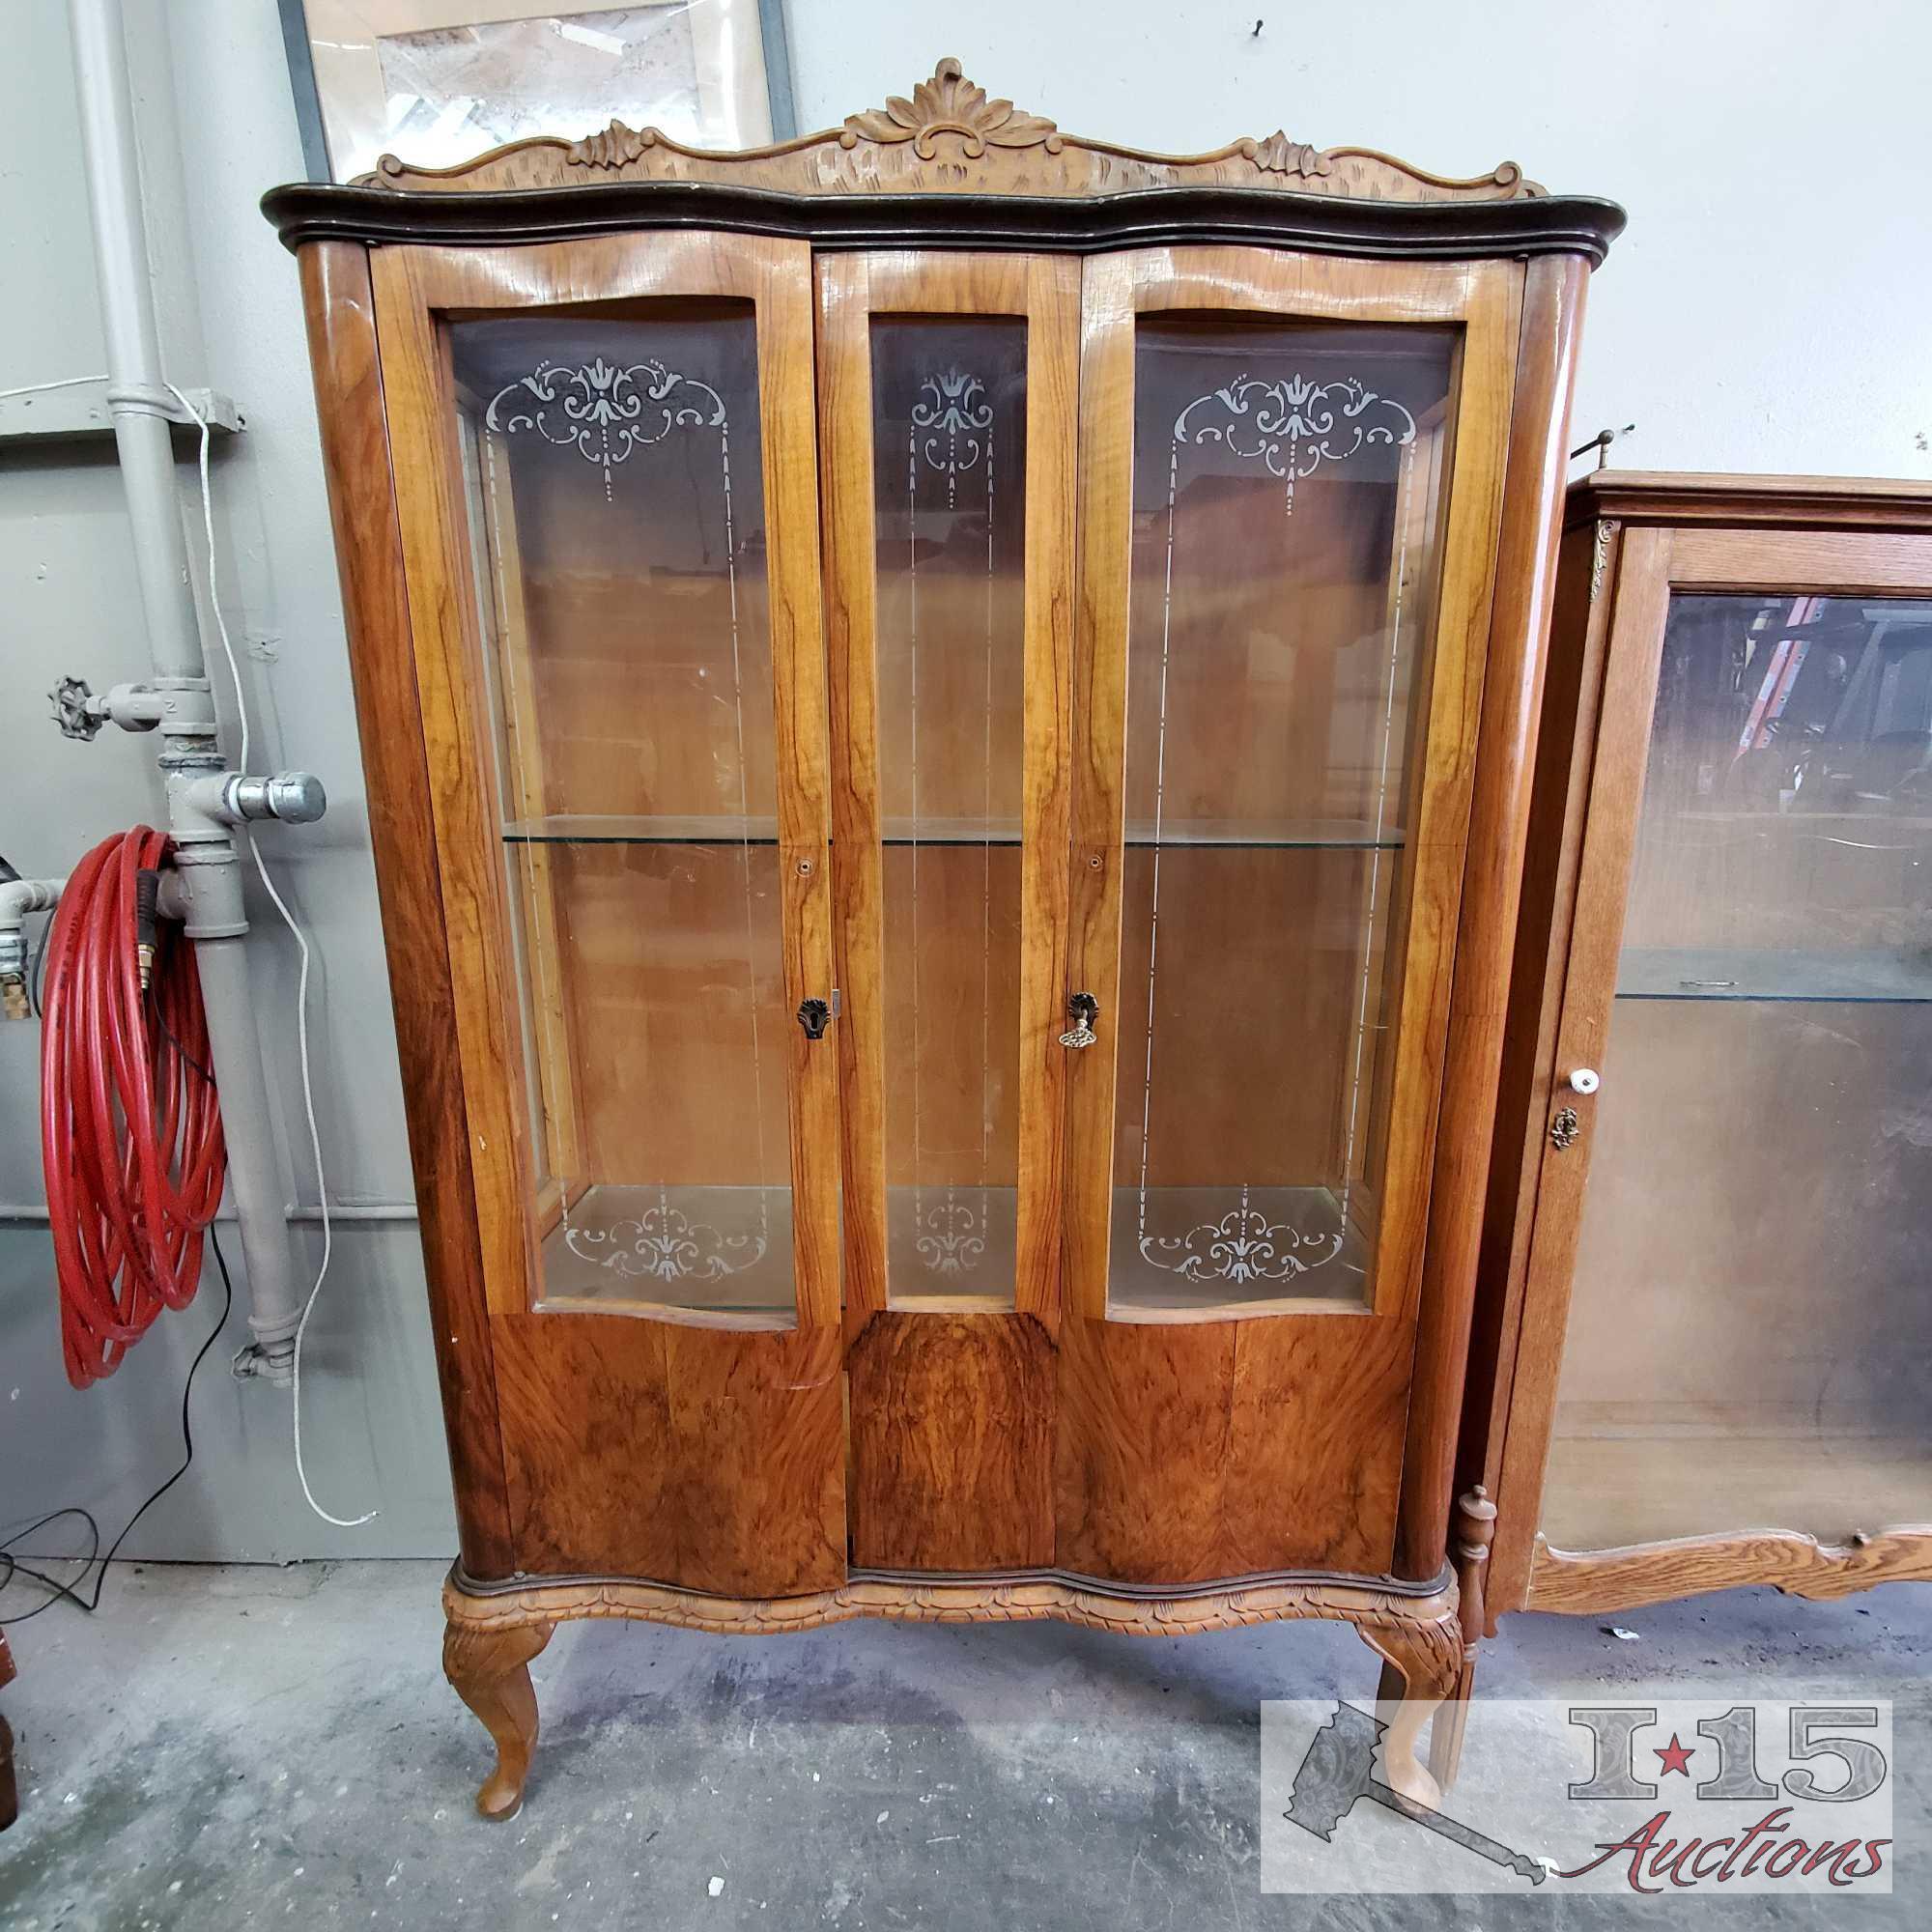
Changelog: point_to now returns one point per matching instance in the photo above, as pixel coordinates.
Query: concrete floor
(223, 1748)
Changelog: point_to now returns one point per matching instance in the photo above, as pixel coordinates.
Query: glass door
(1750, 1334)
(1264, 816)
(946, 388)
(636, 550)
(1290, 481)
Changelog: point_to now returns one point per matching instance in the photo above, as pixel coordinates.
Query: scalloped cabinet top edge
(951, 140)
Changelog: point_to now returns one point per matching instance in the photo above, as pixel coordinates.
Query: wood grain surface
(1527, 485)
(341, 313)
(1671, 536)
(951, 1421)
(1597, 1583)
(641, 1448)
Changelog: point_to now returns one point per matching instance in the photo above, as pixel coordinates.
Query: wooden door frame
(1042, 290)
(1588, 811)
(415, 287)
(340, 308)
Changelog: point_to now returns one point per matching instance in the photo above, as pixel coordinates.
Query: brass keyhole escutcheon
(1564, 1128)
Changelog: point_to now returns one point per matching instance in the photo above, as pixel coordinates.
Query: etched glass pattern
(1287, 503)
(617, 519)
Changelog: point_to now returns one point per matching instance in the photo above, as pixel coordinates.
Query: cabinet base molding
(493, 1632)
(1588, 1582)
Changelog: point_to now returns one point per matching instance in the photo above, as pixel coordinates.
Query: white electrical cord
(65, 383)
(302, 989)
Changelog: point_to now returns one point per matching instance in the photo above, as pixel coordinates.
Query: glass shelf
(1870, 976)
(732, 829)
(699, 829)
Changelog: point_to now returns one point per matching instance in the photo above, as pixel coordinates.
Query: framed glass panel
(949, 434)
(1289, 495)
(617, 523)
(1750, 1335)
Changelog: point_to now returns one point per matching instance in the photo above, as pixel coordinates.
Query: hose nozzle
(147, 925)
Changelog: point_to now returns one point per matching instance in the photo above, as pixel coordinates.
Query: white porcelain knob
(1584, 1080)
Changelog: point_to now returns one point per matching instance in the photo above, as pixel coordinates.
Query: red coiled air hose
(130, 1127)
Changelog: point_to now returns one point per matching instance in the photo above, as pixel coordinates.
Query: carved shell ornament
(948, 103)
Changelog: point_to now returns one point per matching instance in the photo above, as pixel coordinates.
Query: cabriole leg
(1420, 1660)
(489, 1669)
(1452, 1720)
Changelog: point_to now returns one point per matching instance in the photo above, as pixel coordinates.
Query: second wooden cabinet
(930, 703)
(1705, 1335)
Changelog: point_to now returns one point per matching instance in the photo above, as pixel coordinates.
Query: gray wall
(214, 91)
(1766, 311)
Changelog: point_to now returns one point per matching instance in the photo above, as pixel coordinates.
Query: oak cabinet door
(1748, 993)
(609, 525)
(1290, 477)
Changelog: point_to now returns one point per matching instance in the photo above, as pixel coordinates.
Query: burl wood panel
(641, 1448)
(1191, 1451)
(951, 1420)
(1314, 1450)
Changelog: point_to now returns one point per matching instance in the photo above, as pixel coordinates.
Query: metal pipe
(18, 897)
(254, 1182)
(205, 851)
(135, 395)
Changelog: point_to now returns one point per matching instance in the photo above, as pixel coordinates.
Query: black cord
(11, 1565)
(39, 961)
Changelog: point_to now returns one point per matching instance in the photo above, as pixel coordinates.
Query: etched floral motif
(952, 424)
(952, 1240)
(948, 103)
(1295, 425)
(603, 412)
(1242, 1246)
(666, 1244)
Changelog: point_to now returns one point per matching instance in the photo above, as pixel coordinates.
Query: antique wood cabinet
(947, 713)
(1708, 1367)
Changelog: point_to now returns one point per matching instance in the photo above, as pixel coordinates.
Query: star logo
(1676, 1756)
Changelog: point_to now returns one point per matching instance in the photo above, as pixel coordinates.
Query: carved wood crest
(949, 137)
(948, 103)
